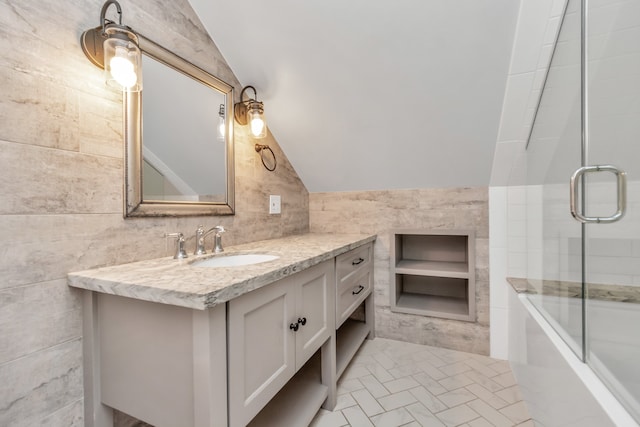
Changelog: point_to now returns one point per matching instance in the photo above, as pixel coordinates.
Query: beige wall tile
(101, 126)
(432, 209)
(58, 318)
(38, 385)
(44, 180)
(70, 416)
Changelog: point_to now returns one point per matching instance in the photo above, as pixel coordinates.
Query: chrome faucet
(180, 252)
(201, 234)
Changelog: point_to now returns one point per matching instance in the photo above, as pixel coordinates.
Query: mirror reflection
(179, 145)
(184, 160)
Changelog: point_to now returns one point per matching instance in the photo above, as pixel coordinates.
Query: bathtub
(558, 388)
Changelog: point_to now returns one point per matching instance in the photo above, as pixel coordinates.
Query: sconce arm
(255, 95)
(103, 13)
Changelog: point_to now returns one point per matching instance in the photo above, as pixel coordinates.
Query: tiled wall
(379, 212)
(541, 239)
(508, 228)
(498, 250)
(538, 24)
(61, 157)
(550, 248)
(613, 250)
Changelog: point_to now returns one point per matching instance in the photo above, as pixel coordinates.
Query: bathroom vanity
(177, 342)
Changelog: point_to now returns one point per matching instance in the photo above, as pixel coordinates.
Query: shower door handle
(621, 193)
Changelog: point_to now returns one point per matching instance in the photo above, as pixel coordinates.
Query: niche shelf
(433, 273)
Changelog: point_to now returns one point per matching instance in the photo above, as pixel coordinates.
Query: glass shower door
(612, 250)
(554, 151)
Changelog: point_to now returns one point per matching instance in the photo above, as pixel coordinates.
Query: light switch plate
(274, 204)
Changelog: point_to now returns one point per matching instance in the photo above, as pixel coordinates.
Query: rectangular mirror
(179, 153)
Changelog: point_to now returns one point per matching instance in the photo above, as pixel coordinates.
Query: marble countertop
(177, 282)
(618, 293)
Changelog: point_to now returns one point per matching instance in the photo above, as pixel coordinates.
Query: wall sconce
(251, 112)
(114, 47)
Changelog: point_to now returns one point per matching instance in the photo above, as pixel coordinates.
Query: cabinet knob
(358, 261)
(302, 321)
(294, 326)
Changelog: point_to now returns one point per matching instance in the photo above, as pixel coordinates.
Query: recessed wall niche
(433, 273)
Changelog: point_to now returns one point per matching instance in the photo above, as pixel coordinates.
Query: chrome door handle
(621, 187)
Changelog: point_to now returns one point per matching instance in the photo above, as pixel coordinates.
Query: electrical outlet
(274, 204)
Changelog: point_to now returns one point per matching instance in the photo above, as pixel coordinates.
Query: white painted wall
(374, 95)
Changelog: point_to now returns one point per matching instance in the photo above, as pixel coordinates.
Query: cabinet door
(261, 348)
(315, 299)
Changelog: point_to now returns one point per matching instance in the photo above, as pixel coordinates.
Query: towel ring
(260, 149)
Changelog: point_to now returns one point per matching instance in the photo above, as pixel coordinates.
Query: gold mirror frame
(134, 204)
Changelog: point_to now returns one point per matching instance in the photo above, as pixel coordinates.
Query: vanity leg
(95, 413)
(329, 377)
(210, 367)
(369, 317)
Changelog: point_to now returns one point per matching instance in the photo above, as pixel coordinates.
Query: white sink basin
(235, 260)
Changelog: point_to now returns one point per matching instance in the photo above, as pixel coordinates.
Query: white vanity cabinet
(173, 344)
(163, 364)
(272, 333)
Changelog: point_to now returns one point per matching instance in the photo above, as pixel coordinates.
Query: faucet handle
(217, 245)
(180, 252)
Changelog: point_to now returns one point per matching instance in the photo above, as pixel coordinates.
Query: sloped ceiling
(371, 95)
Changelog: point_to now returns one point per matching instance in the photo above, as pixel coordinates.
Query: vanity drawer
(350, 264)
(351, 294)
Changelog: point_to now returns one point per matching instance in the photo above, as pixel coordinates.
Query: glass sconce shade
(256, 120)
(122, 60)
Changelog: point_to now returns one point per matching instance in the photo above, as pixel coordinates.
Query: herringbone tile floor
(392, 383)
